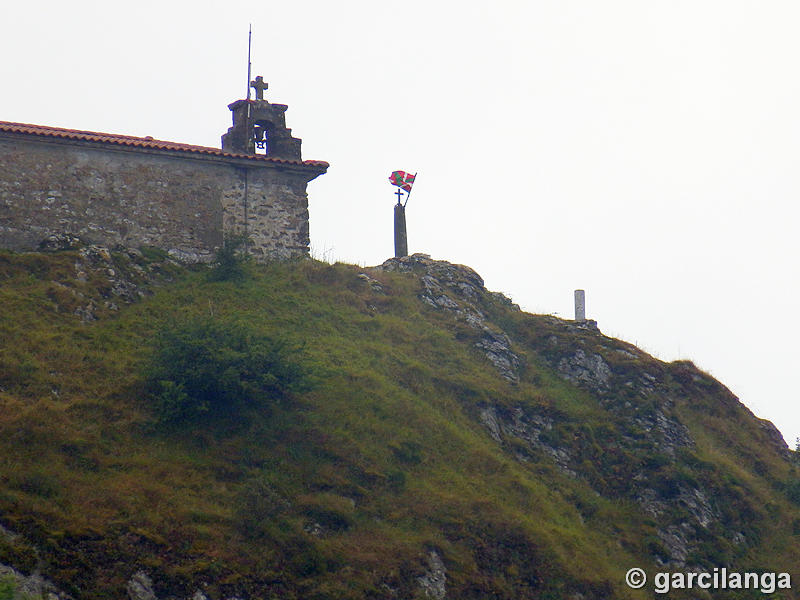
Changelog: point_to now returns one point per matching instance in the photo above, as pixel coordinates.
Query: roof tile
(143, 142)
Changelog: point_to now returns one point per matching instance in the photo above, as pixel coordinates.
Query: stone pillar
(400, 237)
(580, 305)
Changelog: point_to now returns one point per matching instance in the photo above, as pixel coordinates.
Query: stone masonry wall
(136, 197)
(275, 216)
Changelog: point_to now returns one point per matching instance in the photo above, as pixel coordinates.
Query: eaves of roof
(148, 143)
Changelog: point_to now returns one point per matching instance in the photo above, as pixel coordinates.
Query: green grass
(385, 457)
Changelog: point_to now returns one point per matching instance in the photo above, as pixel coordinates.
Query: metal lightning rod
(249, 43)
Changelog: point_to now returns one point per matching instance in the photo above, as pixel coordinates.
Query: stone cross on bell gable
(259, 85)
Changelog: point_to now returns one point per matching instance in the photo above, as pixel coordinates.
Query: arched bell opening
(262, 134)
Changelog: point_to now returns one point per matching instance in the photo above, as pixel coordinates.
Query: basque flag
(402, 180)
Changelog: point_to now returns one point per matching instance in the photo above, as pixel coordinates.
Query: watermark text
(718, 579)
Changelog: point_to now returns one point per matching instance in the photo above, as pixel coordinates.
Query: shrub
(7, 587)
(218, 368)
(407, 452)
(308, 563)
(331, 511)
(230, 259)
(258, 505)
(39, 484)
(396, 481)
(792, 491)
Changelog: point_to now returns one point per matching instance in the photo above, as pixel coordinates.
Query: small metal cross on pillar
(399, 194)
(259, 85)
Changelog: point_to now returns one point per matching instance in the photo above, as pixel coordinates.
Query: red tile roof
(143, 142)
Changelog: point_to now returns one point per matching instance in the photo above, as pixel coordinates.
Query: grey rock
(374, 284)
(33, 586)
(505, 300)
(190, 256)
(434, 581)
(460, 280)
(650, 502)
(406, 264)
(528, 427)
(488, 417)
(434, 294)
(314, 529)
(698, 505)
(676, 544)
(133, 253)
(585, 324)
(140, 587)
(87, 313)
(126, 282)
(60, 241)
(96, 255)
(497, 348)
(693, 500)
(589, 370)
(668, 434)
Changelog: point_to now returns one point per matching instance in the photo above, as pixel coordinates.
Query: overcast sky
(646, 151)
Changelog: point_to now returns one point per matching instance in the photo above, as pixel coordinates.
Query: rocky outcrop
(528, 427)
(105, 278)
(374, 284)
(24, 586)
(587, 369)
(658, 499)
(639, 398)
(434, 581)
(140, 587)
(459, 290)
(630, 391)
(32, 586)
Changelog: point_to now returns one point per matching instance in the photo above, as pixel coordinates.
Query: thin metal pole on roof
(249, 43)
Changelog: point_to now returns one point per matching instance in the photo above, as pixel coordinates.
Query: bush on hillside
(219, 368)
(8, 587)
(231, 259)
(257, 506)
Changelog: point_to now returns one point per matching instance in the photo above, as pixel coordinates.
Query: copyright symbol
(636, 578)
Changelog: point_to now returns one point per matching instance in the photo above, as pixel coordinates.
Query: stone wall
(182, 202)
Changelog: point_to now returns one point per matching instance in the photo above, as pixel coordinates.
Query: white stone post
(580, 305)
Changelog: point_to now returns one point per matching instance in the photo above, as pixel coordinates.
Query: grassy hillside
(450, 444)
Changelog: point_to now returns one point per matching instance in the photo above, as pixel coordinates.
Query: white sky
(644, 150)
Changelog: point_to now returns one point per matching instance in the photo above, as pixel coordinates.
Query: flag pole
(408, 194)
(249, 64)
